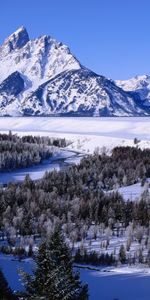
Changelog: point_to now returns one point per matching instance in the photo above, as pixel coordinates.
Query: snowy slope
(80, 92)
(131, 192)
(139, 85)
(42, 77)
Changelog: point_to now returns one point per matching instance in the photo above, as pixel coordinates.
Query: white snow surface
(131, 192)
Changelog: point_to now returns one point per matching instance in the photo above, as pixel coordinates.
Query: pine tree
(54, 278)
(148, 258)
(122, 254)
(140, 256)
(30, 251)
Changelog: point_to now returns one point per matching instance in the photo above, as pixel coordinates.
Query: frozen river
(58, 162)
(102, 285)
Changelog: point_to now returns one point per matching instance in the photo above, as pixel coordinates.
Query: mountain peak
(15, 41)
(20, 30)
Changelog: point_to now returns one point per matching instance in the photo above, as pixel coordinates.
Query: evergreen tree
(148, 258)
(122, 254)
(140, 256)
(54, 278)
(30, 251)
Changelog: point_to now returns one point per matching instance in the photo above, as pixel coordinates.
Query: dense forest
(17, 152)
(78, 194)
(79, 199)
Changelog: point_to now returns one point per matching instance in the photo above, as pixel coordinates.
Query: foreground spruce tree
(5, 291)
(122, 254)
(54, 278)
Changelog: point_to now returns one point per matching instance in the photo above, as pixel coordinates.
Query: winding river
(59, 161)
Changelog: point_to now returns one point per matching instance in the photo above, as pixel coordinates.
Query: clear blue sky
(111, 37)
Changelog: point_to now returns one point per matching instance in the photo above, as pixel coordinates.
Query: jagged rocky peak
(16, 40)
(38, 59)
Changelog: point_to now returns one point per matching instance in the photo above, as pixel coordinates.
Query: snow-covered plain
(86, 134)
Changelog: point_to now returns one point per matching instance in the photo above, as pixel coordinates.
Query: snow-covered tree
(54, 278)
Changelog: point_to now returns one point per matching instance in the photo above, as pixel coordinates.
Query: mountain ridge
(42, 77)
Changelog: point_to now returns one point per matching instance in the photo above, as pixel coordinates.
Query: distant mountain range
(42, 77)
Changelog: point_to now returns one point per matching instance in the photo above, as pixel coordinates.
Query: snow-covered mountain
(80, 92)
(138, 85)
(42, 77)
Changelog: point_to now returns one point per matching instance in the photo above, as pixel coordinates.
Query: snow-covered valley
(74, 150)
(86, 136)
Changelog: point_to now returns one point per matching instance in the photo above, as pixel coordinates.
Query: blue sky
(111, 37)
